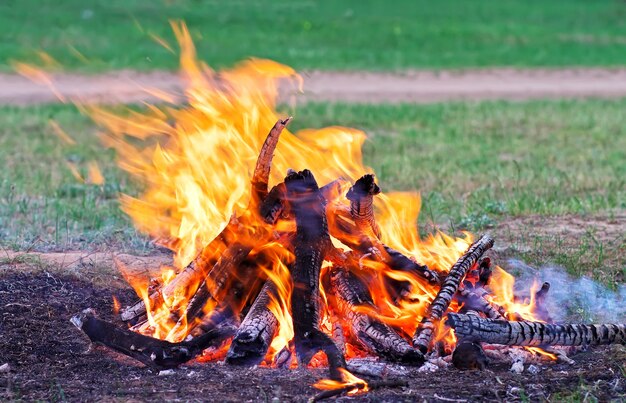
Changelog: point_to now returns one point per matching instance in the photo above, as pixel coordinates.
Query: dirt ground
(362, 87)
(51, 360)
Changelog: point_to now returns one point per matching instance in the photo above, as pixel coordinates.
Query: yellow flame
(196, 161)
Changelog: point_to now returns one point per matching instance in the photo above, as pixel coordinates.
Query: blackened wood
(273, 205)
(346, 293)
(257, 330)
(310, 246)
(529, 333)
(261, 175)
(469, 355)
(397, 261)
(361, 197)
(475, 302)
(484, 272)
(214, 287)
(154, 353)
(243, 286)
(439, 306)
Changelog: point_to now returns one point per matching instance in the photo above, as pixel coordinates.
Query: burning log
(439, 306)
(310, 245)
(361, 197)
(154, 353)
(529, 333)
(475, 302)
(346, 293)
(367, 231)
(205, 261)
(256, 332)
(214, 287)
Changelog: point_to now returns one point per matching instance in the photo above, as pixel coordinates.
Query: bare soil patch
(362, 87)
(51, 360)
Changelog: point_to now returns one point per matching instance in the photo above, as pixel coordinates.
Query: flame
(196, 161)
(353, 384)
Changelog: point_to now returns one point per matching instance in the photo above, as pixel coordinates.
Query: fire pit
(321, 269)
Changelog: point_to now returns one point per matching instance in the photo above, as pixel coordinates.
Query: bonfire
(286, 252)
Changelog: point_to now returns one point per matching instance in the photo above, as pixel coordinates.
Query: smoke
(571, 299)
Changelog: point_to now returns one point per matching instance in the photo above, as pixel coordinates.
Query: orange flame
(196, 161)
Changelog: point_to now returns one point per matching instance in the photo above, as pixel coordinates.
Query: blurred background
(546, 175)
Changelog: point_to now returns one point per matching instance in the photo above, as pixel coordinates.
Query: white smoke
(571, 299)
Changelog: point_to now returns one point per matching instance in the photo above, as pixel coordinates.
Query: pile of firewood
(227, 275)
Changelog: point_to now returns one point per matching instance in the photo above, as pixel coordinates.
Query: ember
(268, 274)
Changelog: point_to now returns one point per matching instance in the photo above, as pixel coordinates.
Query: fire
(195, 163)
(352, 384)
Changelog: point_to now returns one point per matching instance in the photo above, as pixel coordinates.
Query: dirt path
(417, 86)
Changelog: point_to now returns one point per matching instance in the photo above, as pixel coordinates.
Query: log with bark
(257, 330)
(536, 334)
(311, 244)
(439, 306)
(346, 293)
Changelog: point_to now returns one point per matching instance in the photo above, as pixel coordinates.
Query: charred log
(439, 306)
(361, 197)
(475, 302)
(346, 294)
(537, 334)
(154, 353)
(261, 175)
(214, 286)
(256, 332)
(469, 355)
(310, 245)
(273, 205)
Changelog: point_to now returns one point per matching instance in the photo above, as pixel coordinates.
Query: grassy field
(97, 35)
(476, 165)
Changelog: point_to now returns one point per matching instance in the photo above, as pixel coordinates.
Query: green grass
(477, 161)
(476, 164)
(42, 205)
(352, 34)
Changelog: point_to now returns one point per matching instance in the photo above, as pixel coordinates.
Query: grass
(477, 161)
(42, 205)
(476, 164)
(97, 35)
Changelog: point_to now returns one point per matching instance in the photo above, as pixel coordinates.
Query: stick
(536, 334)
(154, 353)
(310, 245)
(439, 306)
(256, 332)
(346, 293)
